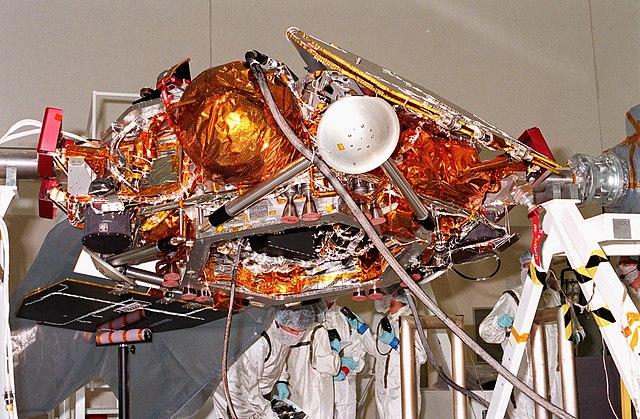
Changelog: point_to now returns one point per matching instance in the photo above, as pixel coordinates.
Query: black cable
(378, 334)
(432, 358)
(227, 331)
(393, 263)
(480, 278)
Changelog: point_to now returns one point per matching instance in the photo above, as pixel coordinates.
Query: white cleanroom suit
(351, 346)
(492, 332)
(261, 366)
(387, 368)
(634, 294)
(252, 376)
(312, 364)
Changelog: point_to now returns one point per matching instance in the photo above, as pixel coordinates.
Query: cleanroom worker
(313, 363)
(385, 348)
(496, 328)
(261, 368)
(349, 344)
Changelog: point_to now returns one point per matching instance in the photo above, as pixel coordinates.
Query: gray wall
(568, 67)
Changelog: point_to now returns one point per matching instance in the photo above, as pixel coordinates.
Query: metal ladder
(586, 243)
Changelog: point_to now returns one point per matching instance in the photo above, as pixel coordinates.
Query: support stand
(586, 244)
(9, 410)
(539, 367)
(123, 379)
(408, 388)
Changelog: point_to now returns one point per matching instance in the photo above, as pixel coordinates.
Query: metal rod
(123, 381)
(408, 385)
(459, 377)
(25, 160)
(145, 253)
(138, 255)
(419, 209)
(257, 192)
(227, 331)
(539, 367)
(386, 253)
(235, 206)
(567, 363)
(143, 276)
(432, 322)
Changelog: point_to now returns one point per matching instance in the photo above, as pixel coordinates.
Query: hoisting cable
(432, 358)
(254, 59)
(227, 330)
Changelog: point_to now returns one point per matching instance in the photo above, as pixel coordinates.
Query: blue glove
(505, 320)
(358, 324)
(282, 390)
(578, 335)
(335, 345)
(340, 376)
(350, 363)
(389, 338)
(347, 364)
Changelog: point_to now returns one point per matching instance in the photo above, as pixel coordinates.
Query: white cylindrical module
(124, 321)
(123, 336)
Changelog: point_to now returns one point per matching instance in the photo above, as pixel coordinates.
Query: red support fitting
(49, 135)
(533, 138)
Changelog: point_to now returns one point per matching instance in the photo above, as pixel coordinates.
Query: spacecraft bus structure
(201, 169)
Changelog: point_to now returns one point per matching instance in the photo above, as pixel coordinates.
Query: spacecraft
(198, 184)
(197, 170)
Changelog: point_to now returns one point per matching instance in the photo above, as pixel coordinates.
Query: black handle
(333, 334)
(428, 223)
(219, 216)
(386, 325)
(166, 244)
(348, 313)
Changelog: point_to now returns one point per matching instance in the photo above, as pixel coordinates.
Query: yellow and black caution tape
(568, 321)
(538, 277)
(603, 316)
(587, 272)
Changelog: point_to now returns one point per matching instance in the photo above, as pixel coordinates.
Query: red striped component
(123, 321)
(123, 336)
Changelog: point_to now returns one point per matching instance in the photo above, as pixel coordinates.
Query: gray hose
(227, 332)
(432, 358)
(386, 254)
